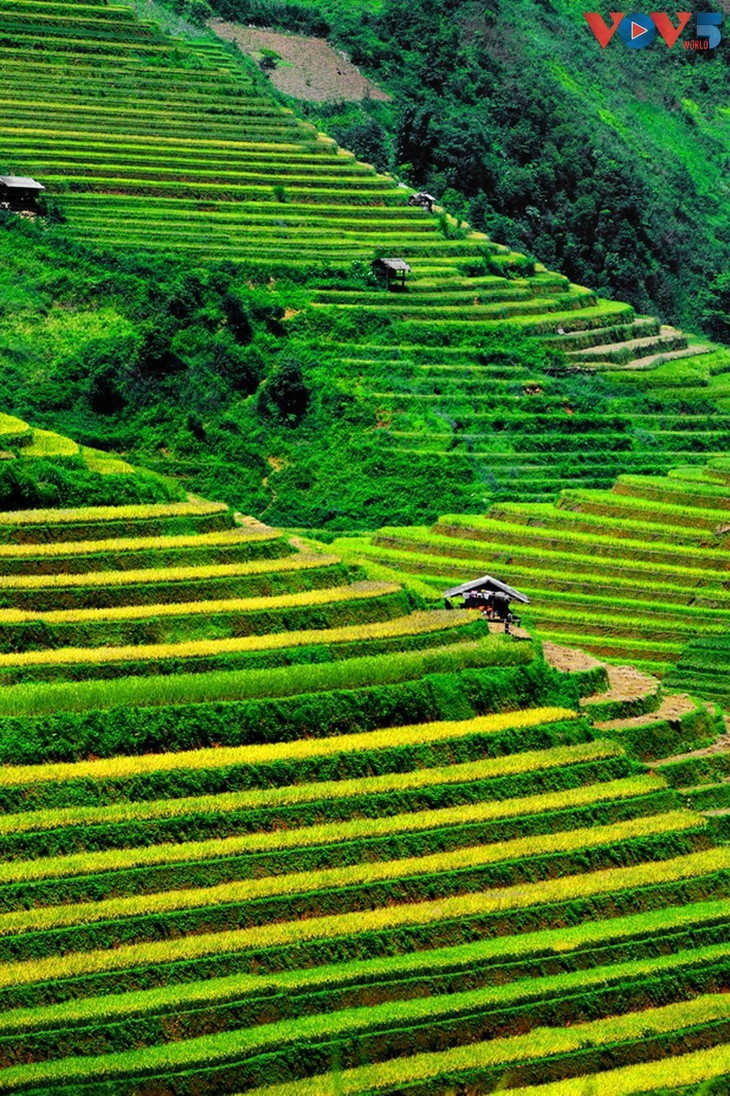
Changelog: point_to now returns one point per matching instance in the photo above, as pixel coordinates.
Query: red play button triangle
(637, 30)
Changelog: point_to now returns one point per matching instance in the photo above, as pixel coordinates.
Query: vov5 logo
(638, 30)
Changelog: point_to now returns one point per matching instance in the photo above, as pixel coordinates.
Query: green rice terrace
(22, 442)
(179, 146)
(630, 574)
(43, 468)
(287, 829)
(275, 822)
(633, 575)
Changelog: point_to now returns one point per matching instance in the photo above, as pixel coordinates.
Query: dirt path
(276, 464)
(720, 745)
(309, 68)
(252, 523)
(625, 683)
(497, 629)
(568, 659)
(672, 708)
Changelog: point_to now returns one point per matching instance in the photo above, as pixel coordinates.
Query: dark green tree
(285, 395)
(715, 309)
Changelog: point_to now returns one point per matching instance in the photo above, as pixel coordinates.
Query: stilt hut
(491, 597)
(19, 192)
(394, 271)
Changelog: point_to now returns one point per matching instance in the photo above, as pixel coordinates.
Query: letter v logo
(663, 24)
(603, 33)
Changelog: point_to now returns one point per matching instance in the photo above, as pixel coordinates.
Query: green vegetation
(42, 469)
(605, 164)
(433, 963)
(628, 574)
(331, 834)
(703, 667)
(489, 1060)
(365, 843)
(349, 399)
(199, 297)
(667, 1021)
(266, 815)
(222, 814)
(29, 700)
(420, 629)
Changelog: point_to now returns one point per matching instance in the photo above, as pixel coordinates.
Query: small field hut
(491, 597)
(19, 192)
(393, 270)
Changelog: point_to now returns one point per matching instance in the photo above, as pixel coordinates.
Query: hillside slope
(231, 331)
(629, 574)
(39, 468)
(271, 821)
(610, 165)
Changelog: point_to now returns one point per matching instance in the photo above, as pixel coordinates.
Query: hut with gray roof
(19, 192)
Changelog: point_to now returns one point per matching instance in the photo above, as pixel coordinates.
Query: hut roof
(395, 264)
(21, 182)
(486, 582)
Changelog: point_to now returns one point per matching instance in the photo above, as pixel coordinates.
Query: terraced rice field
(155, 142)
(522, 435)
(305, 837)
(703, 775)
(704, 665)
(20, 441)
(269, 822)
(180, 146)
(630, 575)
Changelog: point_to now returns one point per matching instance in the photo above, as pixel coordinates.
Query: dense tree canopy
(600, 163)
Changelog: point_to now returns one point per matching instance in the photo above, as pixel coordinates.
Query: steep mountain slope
(461, 387)
(629, 574)
(270, 823)
(607, 164)
(40, 469)
(268, 819)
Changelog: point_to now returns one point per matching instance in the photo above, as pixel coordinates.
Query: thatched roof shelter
(393, 269)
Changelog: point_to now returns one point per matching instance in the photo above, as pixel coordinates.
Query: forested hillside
(197, 292)
(275, 822)
(609, 165)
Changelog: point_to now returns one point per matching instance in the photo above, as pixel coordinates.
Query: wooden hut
(491, 597)
(18, 192)
(423, 199)
(394, 271)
